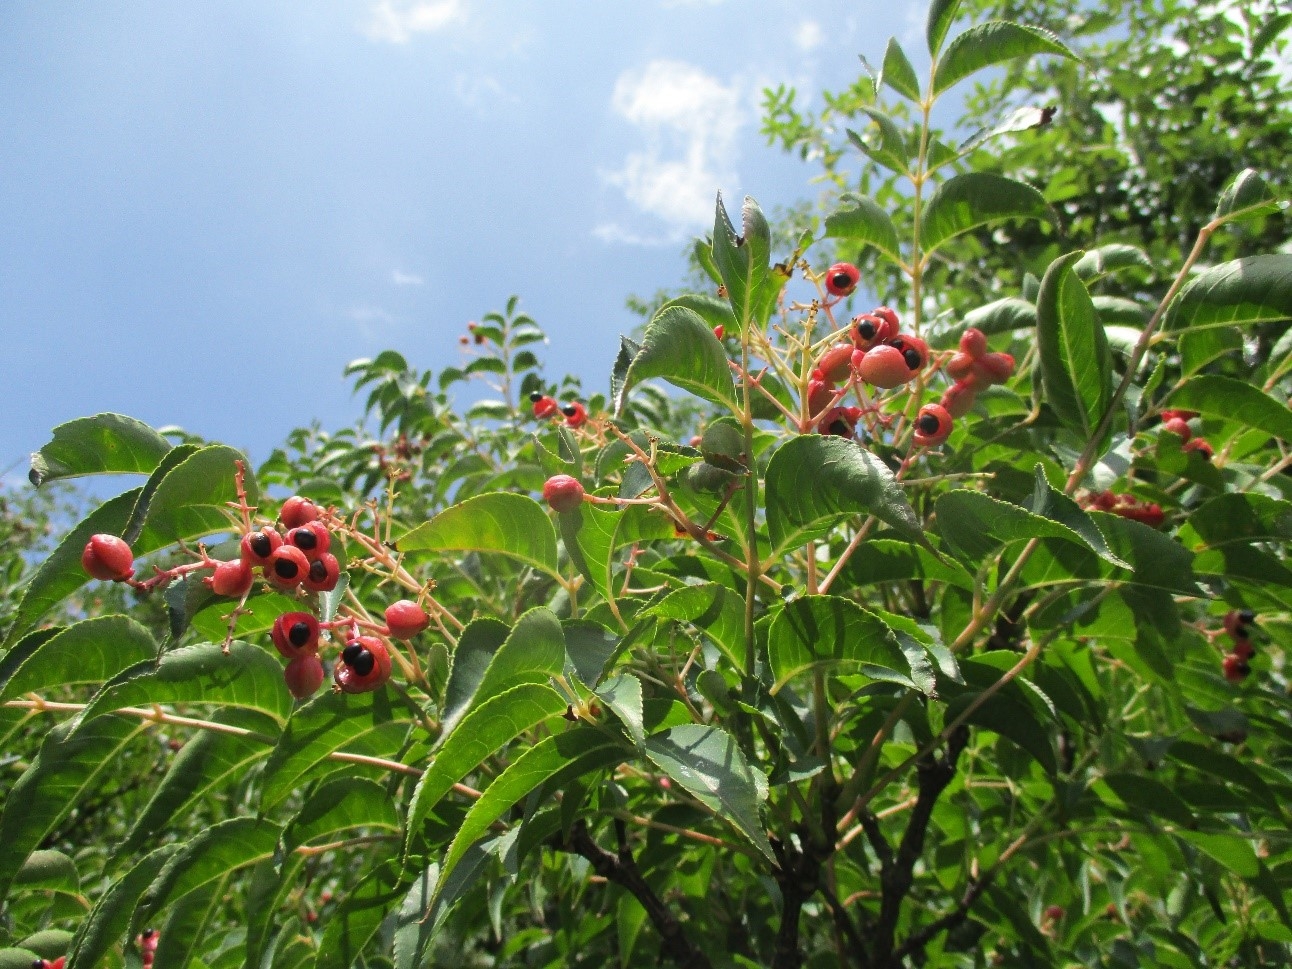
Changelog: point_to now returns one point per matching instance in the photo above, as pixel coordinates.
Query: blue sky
(208, 209)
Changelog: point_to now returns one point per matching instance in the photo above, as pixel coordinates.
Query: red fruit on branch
(287, 567)
(1235, 668)
(258, 547)
(405, 619)
(1236, 622)
(933, 425)
(543, 406)
(841, 279)
(719, 331)
(294, 634)
(231, 579)
(960, 365)
(312, 538)
(973, 342)
(563, 493)
(994, 368)
(1201, 445)
(364, 665)
(959, 397)
(304, 675)
(324, 573)
(296, 511)
(835, 364)
(914, 350)
(875, 327)
(108, 558)
(885, 367)
(839, 421)
(576, 415)
(1177, 426)
(820, 394)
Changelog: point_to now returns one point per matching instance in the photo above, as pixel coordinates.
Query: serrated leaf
(358, 917)
(891, 150)
(827, 632)
(1247, 196)
(483, 732)
(974, 525)
(102, 444)
(90, 651)
(743, 262)
(110, 918)
(1157, 560)
(1002, 316)
(623, 695)
(715, 609)
(707, 762)
(898, 73)
(680, 347)
(1254, 289)
(501, 522)
(992, 43)
(815, 481)
(193, 499)
(967, 201)
(941, 14)
(865, 223)
(1047, 502)
(1076, 365)
(1234, 400)
(593, 535)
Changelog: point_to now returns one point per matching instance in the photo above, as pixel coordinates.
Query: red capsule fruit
(231, 579)
(994, 368)
(820, 394)
(719, 331)
(257, 547)
(405, 619)
(108, 558)
(364, 665)
(1244, 649)
(960, 366)
(576, 415)
(1236, 622)
(841, 279)
(873, 328)
(287, 567)
(1235, 668)
(839, 421)
(932, 426)
(543, 406)
(959, 398)
(885, 367)
(973, 342)
(1201, 445)
(562, 492)
(1177, 426)
(296, 511)
(304, 675)
(295, 633)
(324, 573)
(836, 363)
(312, 538)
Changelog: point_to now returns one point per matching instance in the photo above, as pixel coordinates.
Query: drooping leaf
(825, 632)
(1237, 517)
(1254, 289)
(1076, 365)
(863, 222)
(744, 263)
(680, 347)
(90, 651)
(991, 43)
(898, 73)
(967, 201)
(1002, 316)
(815, 481)
(1234, 400)
(707, 762)
(102, 444)
(501, 522)
(1012, 711)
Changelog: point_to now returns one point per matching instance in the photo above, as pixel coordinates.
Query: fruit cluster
(1177, 422)
(147, 941)
(545, 407)
(1127, 506)
(973, 368)
(1235, 665)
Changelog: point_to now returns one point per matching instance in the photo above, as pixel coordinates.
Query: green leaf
(1254, 289)
(49, 943)
(509, 524)
(891, 150)
(714, 609)
(865, 223)
(1234, 400)
(713, 310)
(102, 444)
(193, 499)
(886, 560)
(825, 632)
(592, 535)
(974, 525)
(1111, 258)
(1231, 850)
(743, 262)
(553, 759)
(965, 202)
(1248, 195)
(1002, 316)
(64, 770)
(1013, 712)
(247, 676)
(1157, 560)
(1147, 795)
(815, 481)
(533, 652)
(898, 73)
(341, 804)
(1047, 502)
(90, 651)
(992, 43)
(623, 695)
(680, 347)
(110, 917)
(357, 919)
(1239, 517)
(17, 958)
(707, 762)
(483, 732)
(941, 14)
(1076, 365)
(50, 871)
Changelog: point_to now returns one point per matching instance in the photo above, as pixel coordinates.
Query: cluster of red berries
(147, 941)
(296, 556)
(545, 407)
(973, 368)
(58, 963)
(1177, 422)
(1235, 665)
(1127, 506)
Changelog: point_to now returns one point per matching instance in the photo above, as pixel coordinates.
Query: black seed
(928, 424)
(318, 571)
(569, 410)
(364, 662)
(1242, 668)
(351, 653)
(260, 544)
(842, 280)
(912, 358)
(38, 964)
(866, 330)
(299, 634)
(149, 933)
(305, 539)
(286, 569)
(1247, 616)
(841, 428)
(535, 397)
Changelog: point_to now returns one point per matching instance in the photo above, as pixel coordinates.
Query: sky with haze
(207, 209)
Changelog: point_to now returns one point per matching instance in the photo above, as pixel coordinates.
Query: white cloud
(690, 122)
(406, 279)
(809, 36)
(397, 21)
(616, 234)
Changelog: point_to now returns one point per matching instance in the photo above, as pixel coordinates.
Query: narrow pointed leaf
(965, 202)
(827, 632)
(680, 347)
(502, 522)
(898, 73)
(744, 263)
(865, 223)
(110, 918)
(358, 917)
(891, 149)
(1234, 400)
(181, 936)
(941, 14)
(1254, 289)
(992, 43)
(1076, 365)
(341, 804)
(102, 444)
(714, 609)
(90, 651)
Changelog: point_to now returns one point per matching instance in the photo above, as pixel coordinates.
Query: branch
(622, 869)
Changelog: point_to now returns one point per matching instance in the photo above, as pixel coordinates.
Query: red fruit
(932, 426)
(294, 634)
(108, 558)
(1243, 649)
(296, 511)
(719, 331)
(841, 279)
(994, 368)
(258, 547)
(973, 342)
(869, 329)
(1177, 426)
(312, 538)
(914, 350)
(835, 364)
(544, 406)
(885, 367)
(1236, 622)
(1054, 912)
(324, 573)
(576, 415)
(364, 665)
(1235, 668)
(304, 675)
(820, 394)
(840, 421)
(1184, 415)
(1201, 445)
(960, 365)
(563, 493)
(231, 579)
(287, 567)
(405, 619)
(959, 397)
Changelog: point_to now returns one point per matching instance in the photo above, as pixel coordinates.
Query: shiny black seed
(286, 569)
(912, 358)
(1247, 616)
(569, 410)
(866, 330)
(318, 571)
(364, 662)
(260, 544)
(351, 653)
(535, 397)
(305, 539)
(841, 428)
(299, 634)
(928, 424)
(842, 280)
